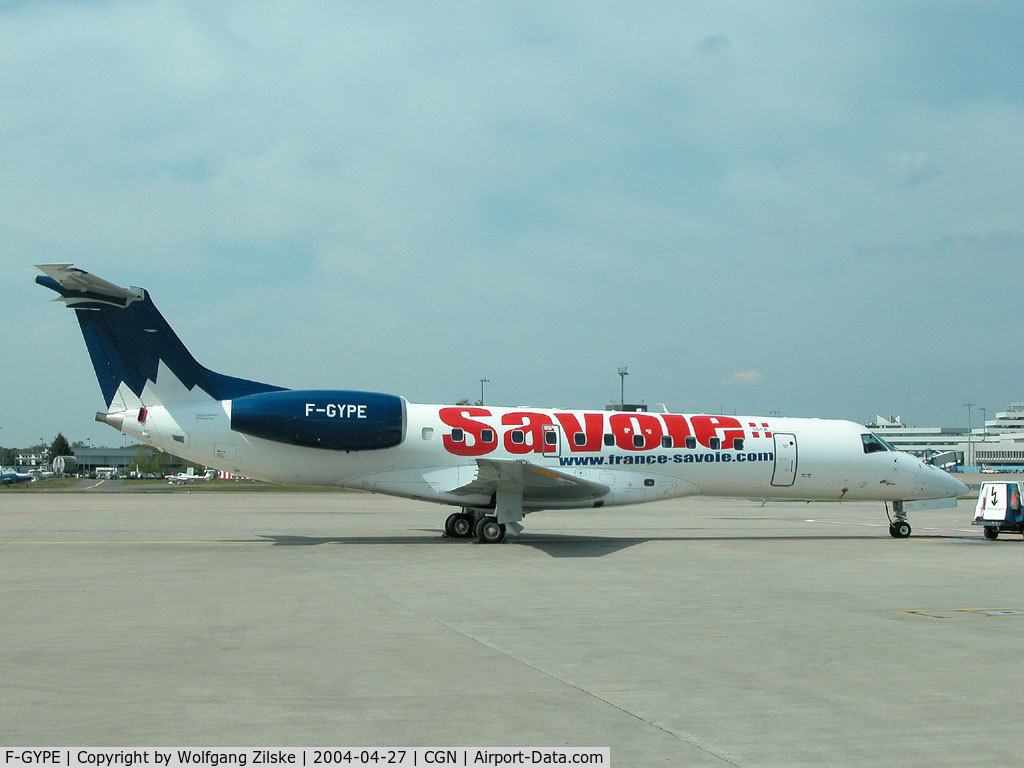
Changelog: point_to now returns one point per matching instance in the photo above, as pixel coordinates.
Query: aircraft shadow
(568, 545)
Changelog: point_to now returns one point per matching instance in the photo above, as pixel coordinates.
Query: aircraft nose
(959, 488)
(939, 484)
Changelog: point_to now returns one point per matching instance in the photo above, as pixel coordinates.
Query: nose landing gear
(899, 528)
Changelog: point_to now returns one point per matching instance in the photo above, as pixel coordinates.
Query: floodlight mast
(970, 444)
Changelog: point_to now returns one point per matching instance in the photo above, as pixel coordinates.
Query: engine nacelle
(322, 418)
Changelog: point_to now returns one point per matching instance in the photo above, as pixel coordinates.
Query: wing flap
(534, 481)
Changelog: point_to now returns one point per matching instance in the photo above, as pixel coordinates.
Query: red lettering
(592, 432)
(472, 443)
(725, 427)
(626, 425)
(677, 428)
(532, 427)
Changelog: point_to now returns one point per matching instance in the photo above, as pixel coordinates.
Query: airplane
(9, 476)
(188, 477)
(496, 464)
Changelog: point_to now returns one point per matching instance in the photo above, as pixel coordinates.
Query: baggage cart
(999, 509)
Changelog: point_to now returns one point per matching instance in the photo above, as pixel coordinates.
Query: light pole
(984, 424)
(970, 444)
(482, 382)
(623, 373)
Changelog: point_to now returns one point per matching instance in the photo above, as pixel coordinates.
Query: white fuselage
(638, 456)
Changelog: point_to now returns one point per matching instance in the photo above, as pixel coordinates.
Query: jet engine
(331, 419)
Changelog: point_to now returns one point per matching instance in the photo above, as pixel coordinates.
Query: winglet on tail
(132, 346)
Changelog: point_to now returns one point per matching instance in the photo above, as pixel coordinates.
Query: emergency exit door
(552, 440)
(785, 460)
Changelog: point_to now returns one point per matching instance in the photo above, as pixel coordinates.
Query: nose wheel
(899, 529)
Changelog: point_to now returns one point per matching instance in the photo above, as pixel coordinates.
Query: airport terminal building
(109, 462)
(997, 443)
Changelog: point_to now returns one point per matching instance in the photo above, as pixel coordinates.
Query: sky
(813, 208)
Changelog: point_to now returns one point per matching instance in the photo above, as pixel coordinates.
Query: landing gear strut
(899, 528)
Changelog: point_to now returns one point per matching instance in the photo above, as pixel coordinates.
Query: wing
(530, 481)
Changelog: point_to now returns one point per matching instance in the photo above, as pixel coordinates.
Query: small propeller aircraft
(11, 477)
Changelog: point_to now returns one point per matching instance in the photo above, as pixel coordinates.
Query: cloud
(910, 169)
(714, 44)
(433, 191)
(743, 379)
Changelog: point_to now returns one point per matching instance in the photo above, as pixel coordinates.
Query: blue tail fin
(131, 345)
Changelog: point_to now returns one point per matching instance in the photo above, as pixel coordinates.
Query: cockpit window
(873, 444)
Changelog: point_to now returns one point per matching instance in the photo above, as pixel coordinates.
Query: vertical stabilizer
(138, 359)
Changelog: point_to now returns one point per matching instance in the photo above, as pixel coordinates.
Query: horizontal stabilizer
(79, 288)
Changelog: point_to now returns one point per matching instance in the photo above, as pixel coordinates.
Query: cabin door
(785, 460)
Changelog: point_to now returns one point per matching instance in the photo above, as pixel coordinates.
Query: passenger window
(517, 437)
(715, 443)
(579, 439)
(737, 443)
(486, 435)
(691, 442)
(609, 439)
(458, 435)
(550, 438)
(428, 433)
(638, 441)
(666, 441)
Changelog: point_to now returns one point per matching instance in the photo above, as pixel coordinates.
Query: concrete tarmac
(682, 633)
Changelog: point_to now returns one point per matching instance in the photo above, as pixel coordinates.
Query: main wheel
(449, 524)
(899, 529)
(462, 525)
(991, 532)
(489, 530)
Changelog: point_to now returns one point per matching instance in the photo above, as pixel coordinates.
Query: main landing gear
(489, 530)
(899, 528)
(473, 523)
(460, 525)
